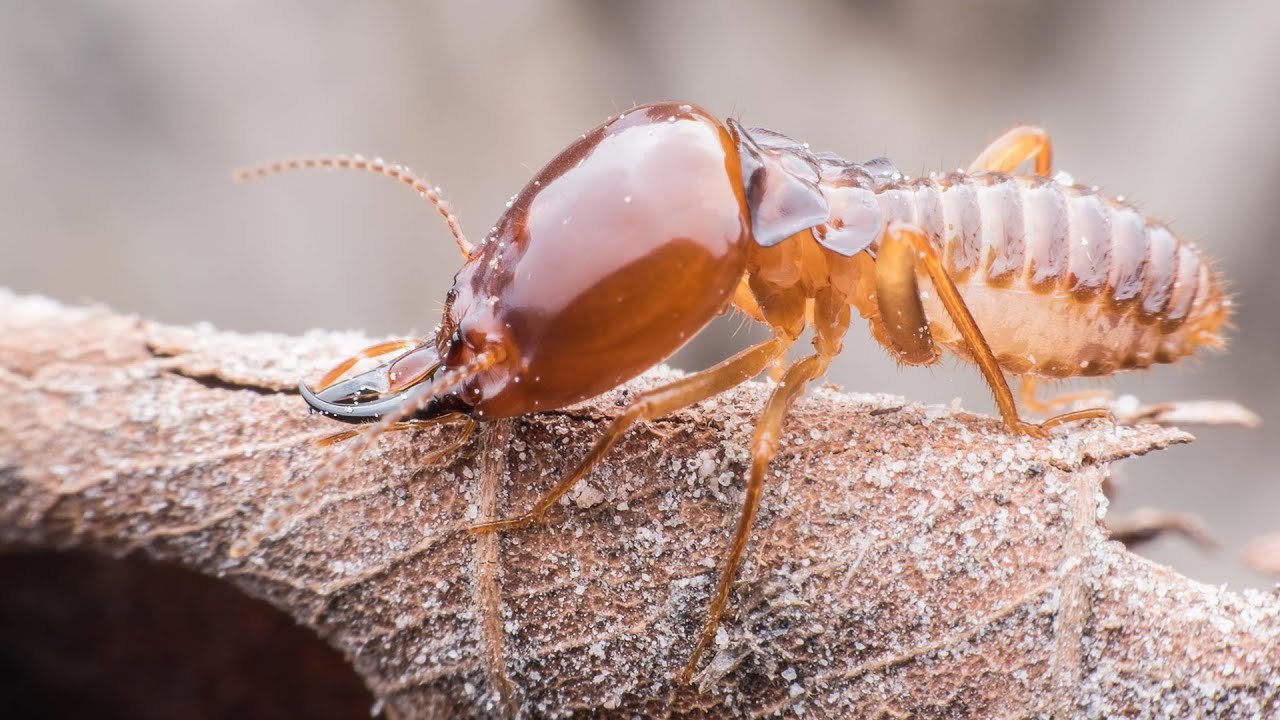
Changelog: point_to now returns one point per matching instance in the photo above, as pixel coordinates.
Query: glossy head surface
(611, 258)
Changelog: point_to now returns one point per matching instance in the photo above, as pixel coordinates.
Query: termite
(639, 233)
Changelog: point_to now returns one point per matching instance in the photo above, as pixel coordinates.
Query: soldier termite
(633, 238)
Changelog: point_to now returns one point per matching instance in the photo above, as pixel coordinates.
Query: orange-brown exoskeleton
(631, 240)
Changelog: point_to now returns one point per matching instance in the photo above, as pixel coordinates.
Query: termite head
(614, 255)
(418, 378)
(433, 379)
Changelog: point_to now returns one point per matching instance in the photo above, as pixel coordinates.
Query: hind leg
(1027, 387)
(907, 245)
(1015, 147)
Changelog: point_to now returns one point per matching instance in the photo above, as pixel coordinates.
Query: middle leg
(764, 445)
(830, 312)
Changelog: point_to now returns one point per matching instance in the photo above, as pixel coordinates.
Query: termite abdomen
(1063, 281)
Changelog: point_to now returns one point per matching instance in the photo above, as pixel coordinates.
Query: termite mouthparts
(645, 228)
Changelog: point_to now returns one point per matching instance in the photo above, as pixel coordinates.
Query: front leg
(646, 406)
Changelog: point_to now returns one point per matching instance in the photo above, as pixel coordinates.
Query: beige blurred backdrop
(120, 123)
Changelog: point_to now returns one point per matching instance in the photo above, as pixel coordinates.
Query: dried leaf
(908, 561)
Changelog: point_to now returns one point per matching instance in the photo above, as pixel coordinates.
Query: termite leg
(830, 313)
(1077, 416)
(458, 441)
(1031, 401)
(369, 353)
(764, 445)
(651, 404)
(901, 313)
(925, 253)
(777, 368)
(1015, 147)
(461, 439)
(744, 300)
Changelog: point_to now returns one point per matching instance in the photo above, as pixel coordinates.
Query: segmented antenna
(280, 517)
(376, 165)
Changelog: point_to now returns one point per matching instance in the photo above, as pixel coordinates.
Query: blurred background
(120, 124)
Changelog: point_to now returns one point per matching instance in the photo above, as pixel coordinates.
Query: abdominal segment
(1060, 280)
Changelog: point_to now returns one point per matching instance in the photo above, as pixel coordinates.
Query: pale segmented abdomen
(1062, 281)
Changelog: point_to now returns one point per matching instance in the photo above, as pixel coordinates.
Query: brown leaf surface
(908, 562)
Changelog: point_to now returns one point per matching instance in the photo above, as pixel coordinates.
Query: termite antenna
(409, 402)
(376, 165)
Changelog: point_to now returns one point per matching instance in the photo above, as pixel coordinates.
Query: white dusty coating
(908, 562)
(1061, 280)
